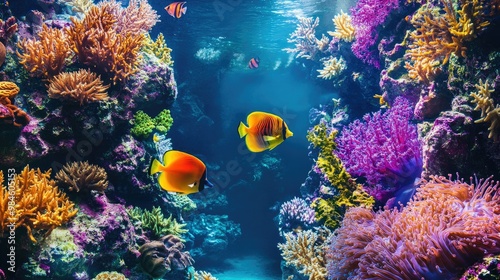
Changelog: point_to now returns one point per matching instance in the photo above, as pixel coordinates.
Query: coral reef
(82, 176)
(164, 256)
(144, 124)
(305, 251)
(40, 205)
(389, 158)
(106, 275)
(295, 215)
(448, 226)
(306, 43)
(47, 55)
(159, 49)
(203, 275)
(156, 223)
(10, 114)
(489, 268)
(332, 67)
(489, 113)
(81, 86)
(344, 30)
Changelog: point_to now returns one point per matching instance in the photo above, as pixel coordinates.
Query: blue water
(227, 91)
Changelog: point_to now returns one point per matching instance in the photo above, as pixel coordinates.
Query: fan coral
(306, 43)
(81, 86)
(137, 17)
(78, 175)
(10, 114)
(367, 15)
(98, 44)
(332, 67)
(347, 192)
(159, 49)
(155, 222)
(448, 226)
(437, 35)
(305, 251)
(46, 56)
(489, 113)
(385, 150)
(344, 30)
(162, 256)
(39, 203)
(295, 214)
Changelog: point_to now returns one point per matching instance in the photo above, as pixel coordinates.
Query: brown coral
(7, 29)
(162, 256)
(47, 55)
(98, 45)
(78, 175)
(82, 86)
(39, 204)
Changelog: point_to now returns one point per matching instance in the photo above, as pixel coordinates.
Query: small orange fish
(253, 63)
(176, 9)
(265, 131)
(180, 173)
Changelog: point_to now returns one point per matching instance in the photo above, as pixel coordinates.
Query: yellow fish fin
(242, 129)
(255, 143)
(155, 167)
(256, 117)
(270, 138)
(274, 145)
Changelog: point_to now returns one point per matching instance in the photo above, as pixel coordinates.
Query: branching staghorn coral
(81, 86)
(347, 192)
(332, 67)
(159, 49)
(306, 252)
(437, 35)
(39, 204)
(98, 45)
(82, 176)
(344, 30)
(306, 43)
(489, 113)
(448, 226)
(46, 56)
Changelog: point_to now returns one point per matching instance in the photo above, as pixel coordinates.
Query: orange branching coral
(39, 204)
(439, 34)
(47, 55)
(448, 226)
(344, 30)
(82, 86)
(98, 45)
(489, 113)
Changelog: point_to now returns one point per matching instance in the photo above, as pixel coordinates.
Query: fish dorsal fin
(171, 156)
(256, 117)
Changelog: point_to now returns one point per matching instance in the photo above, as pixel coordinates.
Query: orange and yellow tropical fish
(254, 63)
(176, 9)
(180, 173)
(265, 131)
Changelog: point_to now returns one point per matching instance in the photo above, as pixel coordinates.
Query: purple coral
(384, 149)
(367, 15)
(295, 213)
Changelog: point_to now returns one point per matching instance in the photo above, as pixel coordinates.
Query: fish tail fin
(155, 167)
(242, 129)
(184, 10)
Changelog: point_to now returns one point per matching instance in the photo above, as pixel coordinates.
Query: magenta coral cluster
(384, 150)
(294, 214)
(367, 15)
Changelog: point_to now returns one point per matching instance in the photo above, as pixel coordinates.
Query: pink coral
(447, 227)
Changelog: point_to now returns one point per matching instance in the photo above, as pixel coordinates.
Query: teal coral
(155, 222)
(348, 193)
(144, 124)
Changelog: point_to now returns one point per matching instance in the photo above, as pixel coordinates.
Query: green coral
(144, 124)
(159, 49)
(155, 222)
(163, 121)
(184, 203)
(348, 193)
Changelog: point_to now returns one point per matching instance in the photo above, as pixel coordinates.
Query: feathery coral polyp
(46, 56)
(344, 30)
(82, 86)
